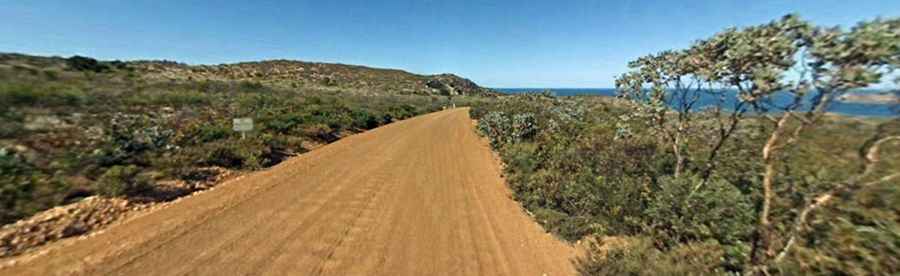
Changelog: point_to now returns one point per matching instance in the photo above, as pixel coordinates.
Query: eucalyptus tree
(661, 85)
(836, 61)
(787, 72)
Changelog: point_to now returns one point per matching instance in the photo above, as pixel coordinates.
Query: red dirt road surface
(418, 197)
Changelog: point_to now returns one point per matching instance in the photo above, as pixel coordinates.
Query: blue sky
(509, 43)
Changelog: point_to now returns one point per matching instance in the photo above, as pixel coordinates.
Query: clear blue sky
(510, 43)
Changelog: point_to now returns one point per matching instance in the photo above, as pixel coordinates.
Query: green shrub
(619, 203)
(399, 112)
(25, 189)
(566, 226)
(127, 139)
(200, 132)
(121, 181)
(248, 86)
(860, 236)
(681, 212)
(237, 154)
(10, 128)
(335, 116)
(51, 75)
(171, 98)
(174, 127)
(502, 128)
(21, 94)
(16, 186)
(638, 256)
(363, 119)
(284, 123)
(81, 63)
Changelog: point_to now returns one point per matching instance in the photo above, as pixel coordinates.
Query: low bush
(174, 129)
(246, 154)
(639, 256)
(571, 166)
(681, 211)
(364, 119)
(171, 98)
(81, 63)
(25, 189)
(21, 94)
(121, 181)
(17, 186)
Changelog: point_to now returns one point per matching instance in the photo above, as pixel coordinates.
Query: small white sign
(243, 124)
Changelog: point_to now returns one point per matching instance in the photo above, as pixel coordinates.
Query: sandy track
(417, 197)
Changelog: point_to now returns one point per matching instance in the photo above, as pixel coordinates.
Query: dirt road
(417, 197)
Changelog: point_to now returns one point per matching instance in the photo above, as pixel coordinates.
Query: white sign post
(243, 125)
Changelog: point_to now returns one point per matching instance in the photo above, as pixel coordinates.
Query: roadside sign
(243, 125)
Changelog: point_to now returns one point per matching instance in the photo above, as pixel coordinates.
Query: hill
(285, 74)
(137, 133)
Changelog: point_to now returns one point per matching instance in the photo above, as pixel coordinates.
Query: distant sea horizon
(843, 108)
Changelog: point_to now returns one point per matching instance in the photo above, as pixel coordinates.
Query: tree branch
(871, 159)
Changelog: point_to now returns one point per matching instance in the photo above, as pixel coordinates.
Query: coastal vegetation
(75, 127)
(659, 185)
(721, 158)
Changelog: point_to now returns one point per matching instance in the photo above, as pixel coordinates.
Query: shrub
(638, 256)
(51, 75)
(16, 186)
(81, 63)
(174, 127)
(335, 116)
(502, 128)
(128, 137)
(284, 123)
(25, 189)
(363, 119)
(121, 181)
(175, 98)
(858, 237)
(400, 112)
(10, 128)
(19, 94)
(200, 132)
(681, 212)
(238, 154)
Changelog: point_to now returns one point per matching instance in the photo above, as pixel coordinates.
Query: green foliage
(580, 178)
(121, 181)
(81, 63)
(171, 98)
(116, 125)
(236, 154)
(504, 129)
(11, 125)
(857, 236)
(757, 62)
(17, 188)
(364, 119)
(27, 94)
(680, 211)
(25, 189)
(640, 257)
(128, 137)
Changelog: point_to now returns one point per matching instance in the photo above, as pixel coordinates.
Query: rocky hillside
(274, 73)
(293, 74)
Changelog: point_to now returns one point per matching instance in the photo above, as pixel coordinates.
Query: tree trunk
(679, 158)
(762, 247)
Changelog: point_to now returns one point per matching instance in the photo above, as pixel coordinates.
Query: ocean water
(851, 109)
